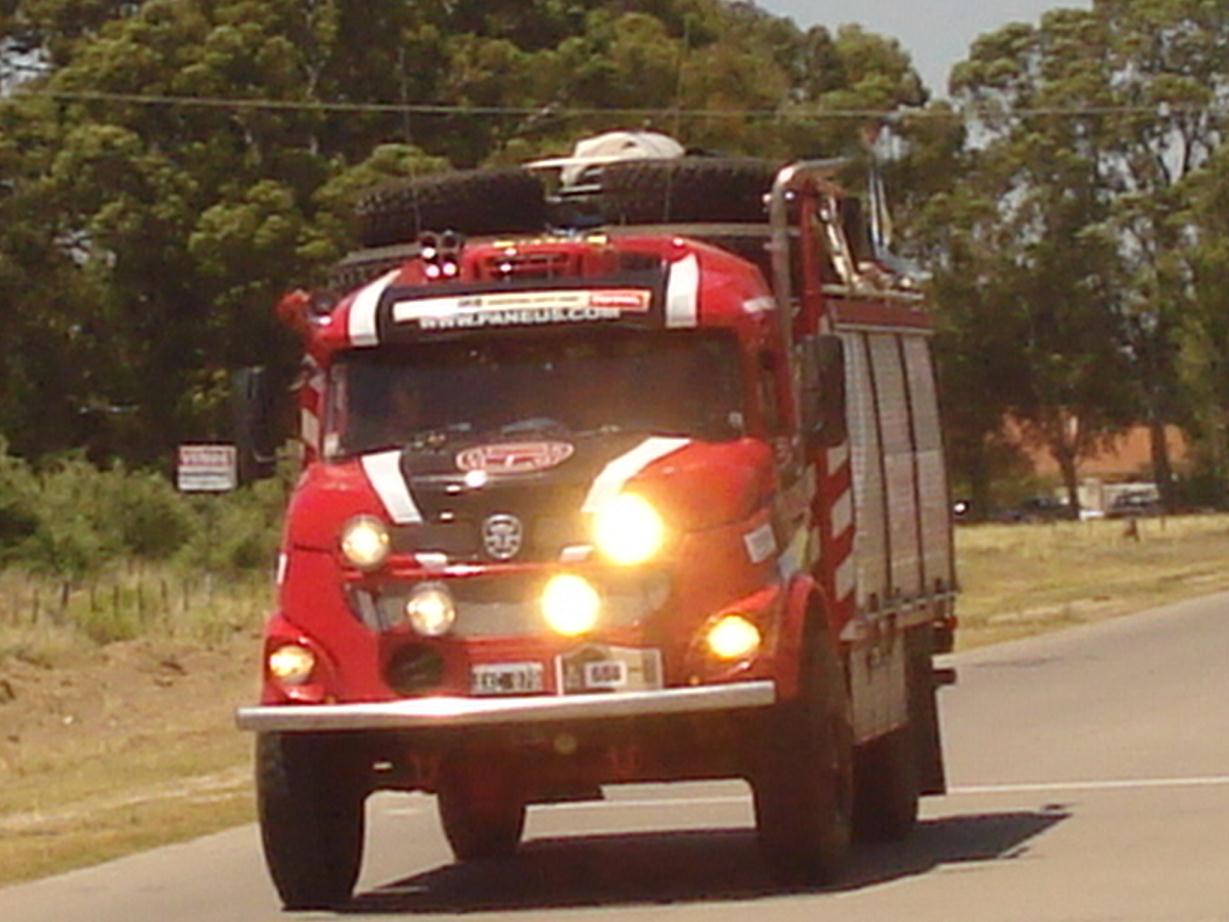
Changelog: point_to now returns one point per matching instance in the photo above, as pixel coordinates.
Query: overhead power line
(1161, 110)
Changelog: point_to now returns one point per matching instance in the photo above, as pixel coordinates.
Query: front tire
(483, 813)
(309, 794)
(803, 789)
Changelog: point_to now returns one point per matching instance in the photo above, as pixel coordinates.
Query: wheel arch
(807, 607)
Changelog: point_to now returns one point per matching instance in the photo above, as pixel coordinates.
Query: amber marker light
(292, 664)
(570, 605)
(365, 542)
(733, 637)
(628, 530)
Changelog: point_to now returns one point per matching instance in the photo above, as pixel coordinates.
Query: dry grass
(1025, 579)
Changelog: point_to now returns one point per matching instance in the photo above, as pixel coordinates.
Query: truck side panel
(932, 477)
(870, 543)
(898, 464)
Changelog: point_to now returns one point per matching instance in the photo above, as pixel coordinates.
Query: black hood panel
(547, 502)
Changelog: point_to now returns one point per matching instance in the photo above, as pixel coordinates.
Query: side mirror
(252, 410)
(823, 393)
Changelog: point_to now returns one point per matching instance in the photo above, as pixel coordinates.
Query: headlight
(291, 664)
(628, 530)
(733, 637)
(365, 542)
(431, 610)
(570, 605)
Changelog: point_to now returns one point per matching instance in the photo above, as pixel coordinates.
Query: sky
(936, 33)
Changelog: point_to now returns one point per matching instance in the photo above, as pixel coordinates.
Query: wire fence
(134, 600)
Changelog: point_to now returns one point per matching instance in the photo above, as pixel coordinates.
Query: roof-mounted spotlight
(441, 254)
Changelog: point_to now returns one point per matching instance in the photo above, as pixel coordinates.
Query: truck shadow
(695, 866)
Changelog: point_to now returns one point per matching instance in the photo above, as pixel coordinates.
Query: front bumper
(421, 713)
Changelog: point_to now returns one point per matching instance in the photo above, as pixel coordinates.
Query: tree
(1147, 72)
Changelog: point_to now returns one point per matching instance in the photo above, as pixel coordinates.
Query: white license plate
(506, 678)
(606, 674)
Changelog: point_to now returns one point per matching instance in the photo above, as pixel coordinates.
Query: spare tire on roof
(685, 189)
(472, 202)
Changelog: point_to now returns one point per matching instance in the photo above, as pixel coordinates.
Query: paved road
(1090, 775)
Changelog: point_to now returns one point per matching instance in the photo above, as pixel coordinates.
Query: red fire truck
(656, 496)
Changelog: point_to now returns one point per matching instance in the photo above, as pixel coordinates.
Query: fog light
(365, 542)
(733, 637)
(570, 605)
(292, 664)
(431, 610)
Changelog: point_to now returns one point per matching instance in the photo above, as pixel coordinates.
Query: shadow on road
(686, 867)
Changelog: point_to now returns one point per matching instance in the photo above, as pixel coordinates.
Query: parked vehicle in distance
(1039, 509)
(1134, 505)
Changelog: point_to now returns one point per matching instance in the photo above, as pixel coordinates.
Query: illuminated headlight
(365, 542)
(291, 664)
(628, 530)
(570, 605)
(733, 637)
(431, 610)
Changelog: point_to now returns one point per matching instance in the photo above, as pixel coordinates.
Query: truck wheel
(309, 796)
(470, 202)
(720, 189)
(483, 815)
(804, 788)
(885, 787)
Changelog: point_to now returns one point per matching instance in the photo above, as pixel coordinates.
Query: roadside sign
(206, 468)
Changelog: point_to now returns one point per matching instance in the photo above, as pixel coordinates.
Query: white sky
(936, 33)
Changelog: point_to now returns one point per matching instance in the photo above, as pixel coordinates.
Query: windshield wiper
(533, 424)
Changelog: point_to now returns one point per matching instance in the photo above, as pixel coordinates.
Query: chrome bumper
(420, 713)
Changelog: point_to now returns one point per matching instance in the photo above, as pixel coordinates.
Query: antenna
(678, 113)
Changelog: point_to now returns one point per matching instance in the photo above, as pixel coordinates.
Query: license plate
(506, 678)
(608, 674)
(595, 667)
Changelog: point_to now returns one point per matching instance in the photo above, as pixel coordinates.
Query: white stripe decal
(845, 579)
(362, 324)
(618, 472)
(309, 428)
(842, 514)
(683, 293)
(837, 457)
(384, 473)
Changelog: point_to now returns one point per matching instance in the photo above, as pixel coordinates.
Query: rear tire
(886, 788)
(483, 813)
(309, 793)
(803, 789)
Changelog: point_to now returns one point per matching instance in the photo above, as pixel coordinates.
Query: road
(1090, 782)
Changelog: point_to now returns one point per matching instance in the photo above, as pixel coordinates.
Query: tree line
(1067, 200)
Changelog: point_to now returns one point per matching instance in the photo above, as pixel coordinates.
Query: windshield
(663, 382)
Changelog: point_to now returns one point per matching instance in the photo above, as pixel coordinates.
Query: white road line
(640, 804)
(1105, 785)
(958, 791)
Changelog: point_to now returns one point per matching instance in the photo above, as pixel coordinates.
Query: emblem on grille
(502, 536)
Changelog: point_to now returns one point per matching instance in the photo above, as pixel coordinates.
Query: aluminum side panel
(870, 545)
(932, 477)
(898, 464)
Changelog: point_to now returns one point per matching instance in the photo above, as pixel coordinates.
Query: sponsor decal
(522, 308)
(760, 543)
(502, 536)
(514, 457)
